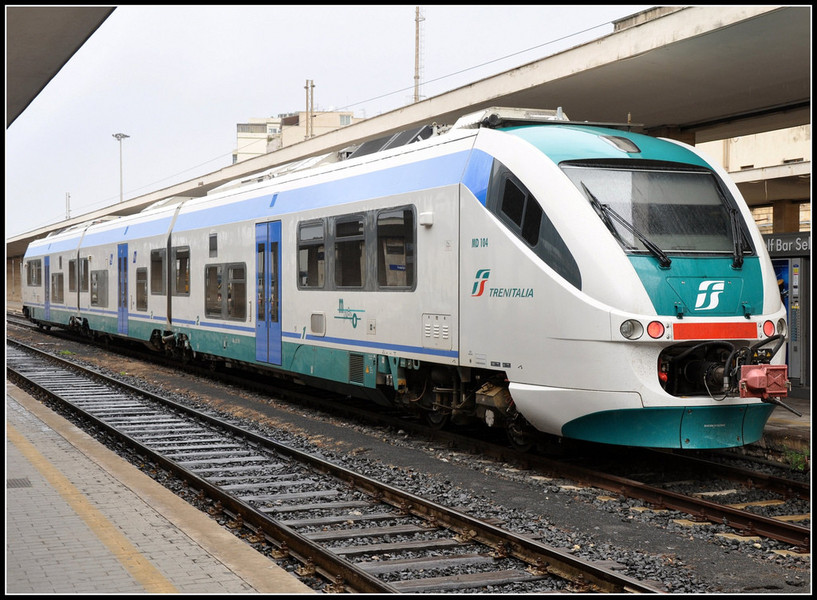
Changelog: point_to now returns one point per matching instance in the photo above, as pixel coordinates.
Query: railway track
(704, 490)
(348, 532)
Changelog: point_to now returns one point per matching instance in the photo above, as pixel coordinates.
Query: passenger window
(158, 274)
(34, 270)
(83, 274)
(350, 255)
(311, 255)
(142, 289)
(212, 291)
(72, 275)
(99, 288)
(226, 299)
(395, 248)
(237, 292)
(181, 271)
(57, 290)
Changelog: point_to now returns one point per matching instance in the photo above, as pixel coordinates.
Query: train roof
(512, 120)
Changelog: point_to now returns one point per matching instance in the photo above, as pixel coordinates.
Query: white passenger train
(517, 268)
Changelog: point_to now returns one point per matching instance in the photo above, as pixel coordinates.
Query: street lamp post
(120, 137)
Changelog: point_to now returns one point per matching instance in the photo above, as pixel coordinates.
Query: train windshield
(662, 210)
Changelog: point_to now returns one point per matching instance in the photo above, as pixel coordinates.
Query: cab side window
(522, 214)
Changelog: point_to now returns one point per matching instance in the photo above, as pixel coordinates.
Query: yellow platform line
(131, 559)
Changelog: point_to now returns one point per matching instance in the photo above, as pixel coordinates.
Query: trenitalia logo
(479, 288)
(711, 291)
(479, 284)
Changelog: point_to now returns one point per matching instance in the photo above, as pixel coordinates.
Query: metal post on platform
(120, 137)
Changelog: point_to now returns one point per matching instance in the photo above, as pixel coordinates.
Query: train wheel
(521, 435)
(436, 418)
(521, 442)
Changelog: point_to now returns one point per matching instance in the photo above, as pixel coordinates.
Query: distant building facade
(260, 136)
(773, 172)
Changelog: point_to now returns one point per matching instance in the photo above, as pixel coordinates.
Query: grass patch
(798, 461)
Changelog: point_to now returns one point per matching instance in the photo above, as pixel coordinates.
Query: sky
(178, 80)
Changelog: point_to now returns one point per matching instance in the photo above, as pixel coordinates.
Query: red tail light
(655, 329)
(768, 328)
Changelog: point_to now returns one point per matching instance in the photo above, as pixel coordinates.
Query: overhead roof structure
(697, 73)
(39, 41)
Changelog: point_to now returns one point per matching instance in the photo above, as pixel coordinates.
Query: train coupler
(764, 381)
(768, 382)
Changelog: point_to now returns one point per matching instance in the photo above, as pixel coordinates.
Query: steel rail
(698, 508)
(541, 557)
(333, 567)
(784, 487)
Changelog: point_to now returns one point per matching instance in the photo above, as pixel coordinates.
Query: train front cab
(621, 399)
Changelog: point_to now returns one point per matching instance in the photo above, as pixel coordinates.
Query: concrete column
(786, 216)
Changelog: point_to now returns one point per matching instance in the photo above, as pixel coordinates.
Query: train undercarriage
(464, 396)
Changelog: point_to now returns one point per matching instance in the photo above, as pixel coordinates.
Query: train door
(268, 292)
(122, 295)
(47, 288)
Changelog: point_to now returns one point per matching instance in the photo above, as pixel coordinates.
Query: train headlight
(768, 328)
(655, 329)
(781, 326)
(631, 329)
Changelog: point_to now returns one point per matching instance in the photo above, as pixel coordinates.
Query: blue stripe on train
(425, 174)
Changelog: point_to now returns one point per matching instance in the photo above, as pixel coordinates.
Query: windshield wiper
(737, 239)
(605, 212)
(602, 213)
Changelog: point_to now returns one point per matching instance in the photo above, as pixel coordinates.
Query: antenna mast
(310, 107)
(418, 18)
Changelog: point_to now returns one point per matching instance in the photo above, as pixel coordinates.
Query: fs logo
(709, 290)
(479, 284)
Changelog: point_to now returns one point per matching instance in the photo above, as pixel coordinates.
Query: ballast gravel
(608, 539)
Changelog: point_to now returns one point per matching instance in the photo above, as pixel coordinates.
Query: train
(518, 269)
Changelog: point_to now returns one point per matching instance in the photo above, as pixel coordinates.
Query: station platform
(81, 520)
(787, 436)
